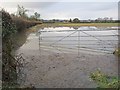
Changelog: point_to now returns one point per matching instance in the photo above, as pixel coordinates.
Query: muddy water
(65, 57)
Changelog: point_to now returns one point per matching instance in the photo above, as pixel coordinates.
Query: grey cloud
(27, 4)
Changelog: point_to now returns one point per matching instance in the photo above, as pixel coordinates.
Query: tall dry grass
(23, 23)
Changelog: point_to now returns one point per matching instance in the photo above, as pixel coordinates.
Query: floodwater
(65, 57)
(82, 38)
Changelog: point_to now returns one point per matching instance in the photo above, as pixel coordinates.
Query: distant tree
(76, 20)
(36, 15)
(111, 18)
(21, 11)
(32, 17)
(70, 20)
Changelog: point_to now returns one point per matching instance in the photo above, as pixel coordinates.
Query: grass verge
(79, 24)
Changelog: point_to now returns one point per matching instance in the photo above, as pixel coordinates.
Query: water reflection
(55, 52)
(103, 40)
(85, 38)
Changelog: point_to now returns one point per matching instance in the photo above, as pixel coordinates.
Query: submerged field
(64, 57)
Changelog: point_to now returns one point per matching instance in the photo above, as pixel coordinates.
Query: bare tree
(21, 11)
(37, 15)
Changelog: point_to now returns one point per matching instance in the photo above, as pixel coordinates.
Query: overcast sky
(67, 10)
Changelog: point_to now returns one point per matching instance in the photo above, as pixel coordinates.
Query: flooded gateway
(64, 57)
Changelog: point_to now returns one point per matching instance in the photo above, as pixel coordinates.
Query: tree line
(99, 20)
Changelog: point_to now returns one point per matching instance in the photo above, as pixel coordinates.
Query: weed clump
(104, 81)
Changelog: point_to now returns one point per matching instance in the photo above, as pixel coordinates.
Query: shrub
(22, 23)
(105, 81)
(117, 52)
(8, 26)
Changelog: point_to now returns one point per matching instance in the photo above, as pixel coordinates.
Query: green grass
(105, 81)
(79, 24)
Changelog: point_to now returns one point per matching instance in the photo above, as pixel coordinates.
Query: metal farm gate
(103, 40)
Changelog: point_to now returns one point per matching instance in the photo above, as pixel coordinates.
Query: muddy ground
(46, 68)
